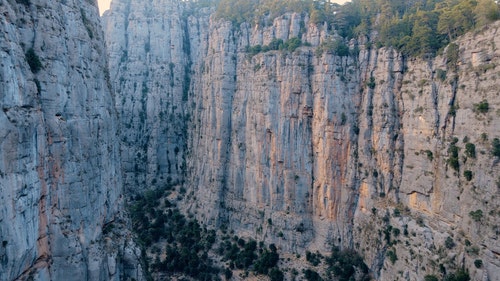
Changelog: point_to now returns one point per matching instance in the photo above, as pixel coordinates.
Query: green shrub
(387, 234)
(337, 47)
(355, 130)
(397, 212)
(482, 107)
(453, 159)
(392, 256)
(275, 274)
(441, 74)
(476, 215)
(228, 273)
(312, 275)
(343, 119)
(341, 49)
(452, 56)
(468, 175)
(495, 147)
(314, 259)
(24, 2)
(449, 243)
(33, 61)
(470, 150)
(253, 50)
(454, 164)
(267, 260)
(371, 84)
(429, 154)
(430, 278)
(459, 275)
(344, 264)
(420, 221)
(292, 44)
(484, 137)
(405, 230)
(276, 44)
(453, 110)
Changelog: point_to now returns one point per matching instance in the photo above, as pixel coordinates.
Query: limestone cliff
(387, 155)
(60, 172)
(150, 72)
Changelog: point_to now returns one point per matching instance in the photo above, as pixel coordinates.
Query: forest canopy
(413, 27)
(255, 11)
(418, 27)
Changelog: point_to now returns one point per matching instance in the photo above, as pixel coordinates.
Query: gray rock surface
(306, 150)
(294, 148)
(300, 149)
(150, 64)
(60, 170)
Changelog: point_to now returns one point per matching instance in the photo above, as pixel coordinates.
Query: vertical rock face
(150, 66)
(440, 179)
(60, 179)
(275, 128)
(306, 149)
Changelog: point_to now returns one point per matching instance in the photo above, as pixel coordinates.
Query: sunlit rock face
(307, 149)
(60, 170)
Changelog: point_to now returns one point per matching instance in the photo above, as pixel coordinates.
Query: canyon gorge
(299, 146)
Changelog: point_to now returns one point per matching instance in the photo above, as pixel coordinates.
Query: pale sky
(103, 5)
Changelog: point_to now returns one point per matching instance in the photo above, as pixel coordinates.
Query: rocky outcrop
(278, 137)
(60, 179)
(150, 64)
(431, 146)
(304, 148)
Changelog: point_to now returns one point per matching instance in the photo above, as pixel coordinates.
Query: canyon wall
(149, 68)
(446, 168)
(60, 169)
(388, 155)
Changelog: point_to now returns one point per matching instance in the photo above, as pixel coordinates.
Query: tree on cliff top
(417, 27)
(252, 11)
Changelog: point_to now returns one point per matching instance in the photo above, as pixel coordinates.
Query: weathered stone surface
(148, 54)
(60, 171)
(305, 150)
(298, 148)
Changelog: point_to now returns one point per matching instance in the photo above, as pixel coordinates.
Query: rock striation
(60, 169)
(388, 155)
(150, 70)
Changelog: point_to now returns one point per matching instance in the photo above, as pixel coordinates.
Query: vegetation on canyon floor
(174, 244)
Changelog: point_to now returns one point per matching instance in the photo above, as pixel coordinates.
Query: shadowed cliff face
(60, 179)
(150, 74)
(306, 149)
